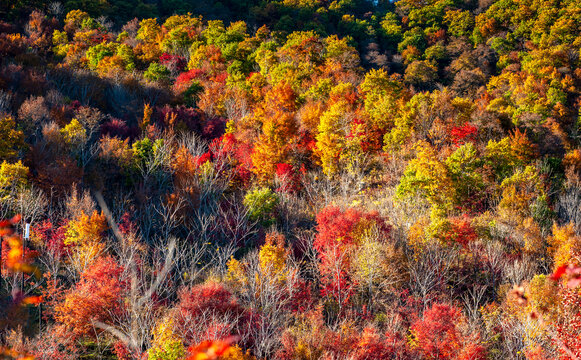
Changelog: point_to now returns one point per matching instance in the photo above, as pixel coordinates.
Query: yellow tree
(331, 136)
(11, 139)
(85, 234)
(279, 127)
(429, 177)
(272, 256)
(564, 245)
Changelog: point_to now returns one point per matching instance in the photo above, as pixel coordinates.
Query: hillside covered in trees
(290, 179)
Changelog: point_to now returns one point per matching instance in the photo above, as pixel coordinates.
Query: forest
(290, 179)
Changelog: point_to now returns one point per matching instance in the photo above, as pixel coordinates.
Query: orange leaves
(17, 259)
(96, 297)
(210, 350)
(278, 130)
(7, 353)
(32, 300)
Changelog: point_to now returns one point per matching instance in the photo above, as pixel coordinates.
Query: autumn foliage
(293, 179)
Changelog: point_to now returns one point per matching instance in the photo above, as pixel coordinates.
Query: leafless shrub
(133, 326)
(56, 9)
(90, 118)
(76, 203)
(267, 293)
(520, 270)
(428, 273)
(131, 27)
(33, 112)
(473, 300)
(569, 207)
(5, 102)
(196, 145)
(236, 108)
(31, 204)
(105, 22)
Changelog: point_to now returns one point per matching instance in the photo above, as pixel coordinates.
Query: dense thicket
(290, 179)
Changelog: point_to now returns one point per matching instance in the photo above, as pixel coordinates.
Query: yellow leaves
(149, 31)
(12, 176)
(272, 265)
(74, 134)
(111, 66)
(532, 237)
(74, 20)
(417, 238)
(518, 194)
(543, 295)
(116, 150)
(370, 262)
(167, 344)
(430, 177)
(86, 228)
(85, 232)
(272, 256)
(10, 137)
(331, 137)
(236, 272)
(564, 244)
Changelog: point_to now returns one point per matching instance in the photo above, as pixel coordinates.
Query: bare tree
(133, 326)
(429, 272)
(268, 294)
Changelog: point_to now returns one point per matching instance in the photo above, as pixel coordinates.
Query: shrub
(261, 204)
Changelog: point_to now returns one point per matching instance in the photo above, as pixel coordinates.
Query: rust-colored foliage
(98, 296)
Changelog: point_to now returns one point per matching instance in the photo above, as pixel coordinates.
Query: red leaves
(202, 159)
(338, 233)
(568, 329)
(437, 335)
(573, 274)
(460, 232)
(375, 346)
(173, 62)
(463, 134)
(334, 227)
(288, 178)
(561, 270)
(184, 79)
(209, 312)
(53, 237)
